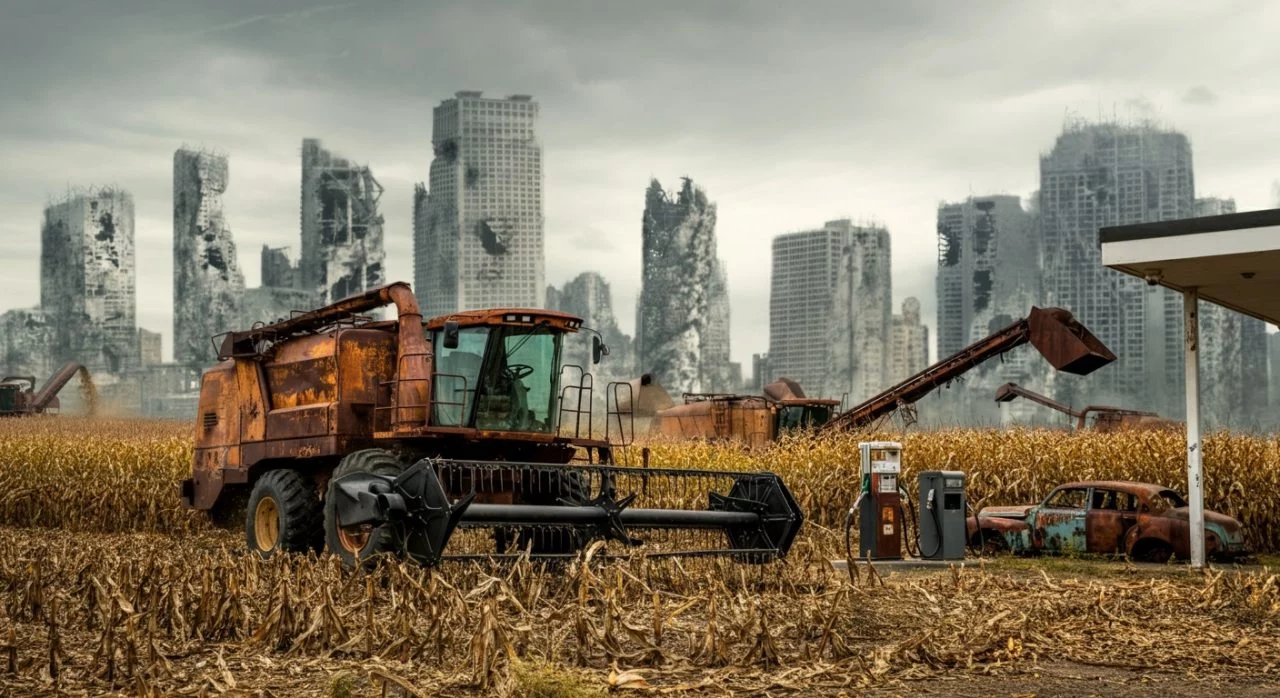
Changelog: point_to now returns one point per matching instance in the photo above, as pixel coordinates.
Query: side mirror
(598, 349)
(451, 334)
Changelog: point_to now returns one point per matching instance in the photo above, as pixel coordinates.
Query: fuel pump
(880, 527)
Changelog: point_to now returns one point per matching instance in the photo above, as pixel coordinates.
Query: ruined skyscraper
(26, 340)
(341, 227)
(208, 286)
(989, 276)
(988, 266)
(830, 310)
(909, 345)
(478, 230)
(682, 286)
(861, 320)
(1111, 174)
(281, 293)
(88, 280)
(1233, 355)
(588, 297)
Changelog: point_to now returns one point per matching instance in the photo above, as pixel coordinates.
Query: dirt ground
(148, 614)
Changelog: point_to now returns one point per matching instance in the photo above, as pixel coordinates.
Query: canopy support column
(1195, 478)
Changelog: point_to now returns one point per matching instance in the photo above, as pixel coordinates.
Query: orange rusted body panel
(330, 384)
(748, 419)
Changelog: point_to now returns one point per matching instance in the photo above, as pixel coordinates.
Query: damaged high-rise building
(342, 250)
(26, 340)
(88, 279)
(1107, 174)
(988, 266)
(909, 344)
(830, 310)
(208, 286)
(281, 294)
(1233, 355)
(588, 297)
(478, 230)
(861, 320)
(682, 332)
(989, 276)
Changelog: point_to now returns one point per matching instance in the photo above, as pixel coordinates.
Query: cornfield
(108, 585)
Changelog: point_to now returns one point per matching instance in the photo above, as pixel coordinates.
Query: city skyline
(618, 106)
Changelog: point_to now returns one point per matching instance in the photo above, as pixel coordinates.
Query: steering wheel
(517, 371)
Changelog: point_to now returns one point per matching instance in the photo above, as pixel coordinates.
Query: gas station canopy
(1232, 260)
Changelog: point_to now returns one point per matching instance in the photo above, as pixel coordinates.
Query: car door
(1110, 515)
(1060, 520)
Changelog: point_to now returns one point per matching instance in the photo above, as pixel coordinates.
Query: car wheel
(1152, 551)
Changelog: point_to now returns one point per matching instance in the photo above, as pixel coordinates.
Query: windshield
(518, 389)
(803, 416)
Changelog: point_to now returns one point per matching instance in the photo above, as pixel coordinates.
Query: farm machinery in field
(19, 397)
(455, 437)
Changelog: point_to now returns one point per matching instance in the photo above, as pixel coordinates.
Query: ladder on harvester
(720, 418)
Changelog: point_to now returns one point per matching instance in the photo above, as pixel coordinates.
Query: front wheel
(283, 514)
(356, 545)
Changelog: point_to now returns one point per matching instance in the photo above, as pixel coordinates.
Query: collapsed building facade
(830, 310)
(682, 319)
(909, 343)
(342, 252)
(588, 296)
(208, 286)
(1107, 174)
(989, 276)
(478, 229)
(862, 315)
(88, 279)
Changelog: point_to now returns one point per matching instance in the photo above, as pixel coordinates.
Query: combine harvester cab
(460, 437)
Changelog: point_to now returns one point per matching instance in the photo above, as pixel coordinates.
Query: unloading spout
(1065, 343)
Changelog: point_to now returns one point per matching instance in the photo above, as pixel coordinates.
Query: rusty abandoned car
(1143, 521)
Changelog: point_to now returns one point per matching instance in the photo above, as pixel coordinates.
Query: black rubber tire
(382, 539)
(989, 543)
(230, 509)
(1152, 551)
(298, 513)
(548, 488)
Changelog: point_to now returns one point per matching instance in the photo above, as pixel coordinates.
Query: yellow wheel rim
(266, 523)
(353, 538)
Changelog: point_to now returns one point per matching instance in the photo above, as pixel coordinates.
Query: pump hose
(977, 523)
(915, 518)
(848, 543)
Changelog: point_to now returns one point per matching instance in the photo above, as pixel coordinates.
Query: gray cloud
(1199, 95)
(787, 115)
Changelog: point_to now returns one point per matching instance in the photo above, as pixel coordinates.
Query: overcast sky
(788, 114)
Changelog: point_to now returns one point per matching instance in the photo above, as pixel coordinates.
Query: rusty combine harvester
(755, 420)
(19, 397)
(1065, 343)
(1097, 417)
(369, 437)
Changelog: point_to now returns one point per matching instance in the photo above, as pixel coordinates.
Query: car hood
(1015, 512)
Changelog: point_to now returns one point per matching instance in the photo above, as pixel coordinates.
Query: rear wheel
(358, 544)
(1152, 551)
(283, 514)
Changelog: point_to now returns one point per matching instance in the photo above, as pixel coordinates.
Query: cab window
(457, 375)
(1069, 498)
(518, 390)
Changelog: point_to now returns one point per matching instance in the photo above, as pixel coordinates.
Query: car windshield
(1067, 498)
